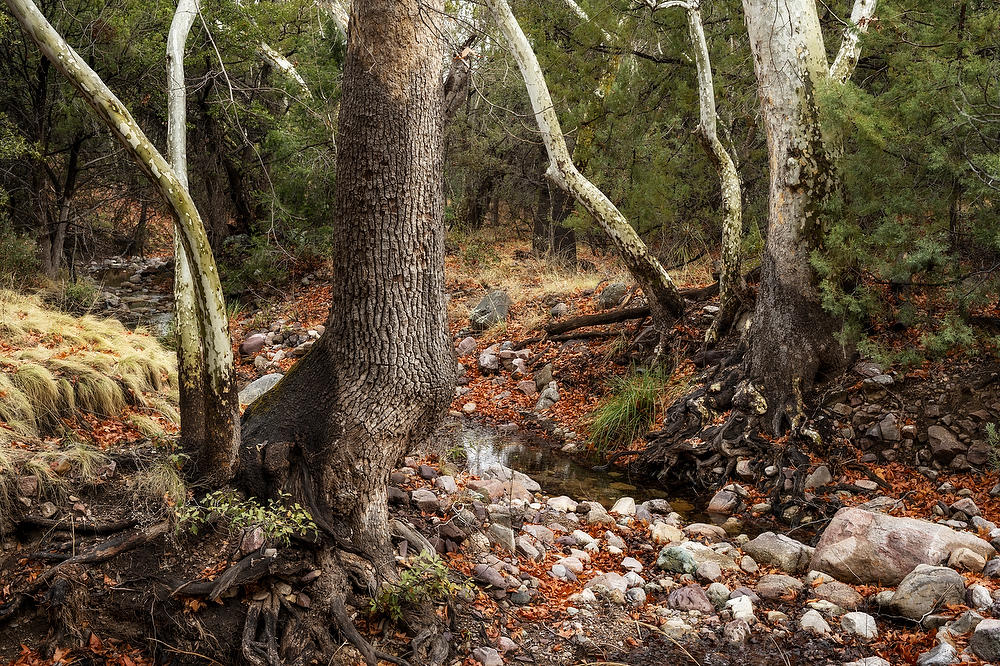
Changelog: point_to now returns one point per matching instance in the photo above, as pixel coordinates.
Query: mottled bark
(646, 269)
(731, 283)
(381, 377)
(843, 65)
(216, 463)
(190, 355)
(792, 336)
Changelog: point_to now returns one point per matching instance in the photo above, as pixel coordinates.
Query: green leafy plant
(278, 519)
(425, 580)
(993, 439)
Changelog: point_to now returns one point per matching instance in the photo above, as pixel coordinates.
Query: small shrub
(425, 580)
(993, 439)
(20, 257)
(278, 519)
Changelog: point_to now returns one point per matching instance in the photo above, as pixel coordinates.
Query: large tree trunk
(792, 336)
(215, 464)
(382, 375)
(665, 301)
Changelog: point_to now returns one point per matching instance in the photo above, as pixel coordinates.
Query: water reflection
(557, 473)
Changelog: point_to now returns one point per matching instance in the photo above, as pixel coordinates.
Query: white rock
(632, 564)
(742, 609)
(625, 506)
(814, 623)
(562, 503)
(662, 533)
(860, 624)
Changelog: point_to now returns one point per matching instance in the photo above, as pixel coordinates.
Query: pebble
(859, 624)
(812, 622)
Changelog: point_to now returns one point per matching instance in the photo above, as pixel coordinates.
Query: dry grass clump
(54, 366)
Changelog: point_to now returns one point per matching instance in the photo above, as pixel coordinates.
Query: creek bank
(591, 571)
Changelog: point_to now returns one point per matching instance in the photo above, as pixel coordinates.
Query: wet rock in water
(611, 295)
(812, 622)
(943, 654)
(259, 387)
(781, 551)
(253, 344)
(985, 641)
(506, 474)
(859, 624)
(467, 346)
(548, 397)
(860, 546)
(926, 589)
(490, 311)
(778, 586)
(690, 597)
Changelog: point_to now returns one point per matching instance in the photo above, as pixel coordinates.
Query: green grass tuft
(629, 411)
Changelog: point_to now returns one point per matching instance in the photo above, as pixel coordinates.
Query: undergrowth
(629, 411)
(278, 519)
(54, 366)
(425, 579)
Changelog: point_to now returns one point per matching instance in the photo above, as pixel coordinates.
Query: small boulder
(859, 624)
(985, 641)
(425, 500)
(253, 344)
(944, 444)
(690, 597)
(926, 589)
(259, 387)
(813, 623)
(781, 551)
(625, 506)
(778, 586)
(467, 346)
(724, 502)
(490, 311)
(943, 654)
(611, 295)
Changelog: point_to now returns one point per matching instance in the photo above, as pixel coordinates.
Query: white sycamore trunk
(731, 283)
(207, 286)
(649, 274)
(850, 49)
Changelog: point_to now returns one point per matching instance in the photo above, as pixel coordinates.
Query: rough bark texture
(648, 272)
(216, 464)
(381, 377)
(792, 336)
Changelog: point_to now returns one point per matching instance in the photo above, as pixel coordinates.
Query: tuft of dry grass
(55, 366)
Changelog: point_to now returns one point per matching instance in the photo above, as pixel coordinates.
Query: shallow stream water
(564, 474)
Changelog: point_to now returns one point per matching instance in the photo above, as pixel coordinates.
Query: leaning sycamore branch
(731, 283)
(850, 49)
(205, 275)
(190, 355)
(339, 11)
(285, 66)
(645, 268)
(578, 10)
